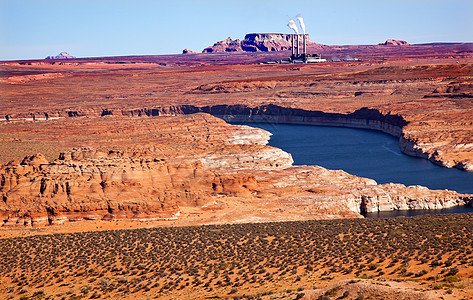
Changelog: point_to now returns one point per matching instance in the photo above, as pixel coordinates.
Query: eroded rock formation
(171, 168)
(62, 55)
(391, 42)
(187, 51)
(256, 42)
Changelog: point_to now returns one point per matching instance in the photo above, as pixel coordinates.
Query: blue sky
(38, 28)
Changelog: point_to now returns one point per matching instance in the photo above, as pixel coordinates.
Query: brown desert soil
(425, 257)
(105, 159)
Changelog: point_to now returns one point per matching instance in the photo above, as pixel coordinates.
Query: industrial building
(299, 56)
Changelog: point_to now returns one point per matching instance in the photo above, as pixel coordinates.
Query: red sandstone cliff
(184, 166)
(256, 42)
(391, 42)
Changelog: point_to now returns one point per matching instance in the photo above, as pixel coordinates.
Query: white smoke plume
(293, 26)
(301, 22)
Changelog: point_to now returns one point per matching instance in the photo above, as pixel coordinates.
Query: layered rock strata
(375, 119)
(257, 42)
(222, 173)
(434, 100)
(413, 141)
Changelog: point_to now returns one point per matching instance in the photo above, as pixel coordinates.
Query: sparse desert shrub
(184, 256)
(436, 287)
(38, 294)
(96, 295)
(333, 291)
(299, 296)
(421, 273)
(452, 278)
(452, 271)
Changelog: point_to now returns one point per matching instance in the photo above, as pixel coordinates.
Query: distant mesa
(62, 55)
(394, 43)
(187, 51)
(255, 42)
(227, 45)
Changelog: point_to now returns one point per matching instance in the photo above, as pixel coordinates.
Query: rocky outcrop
(391, 42)
(188, 165)
(62, 55)
(256, 42)
(87, 184)
(367, 118)
(187, 51)
(228, 45)
(269, 42)
(391, 197)
(92, 185)
(433, 151)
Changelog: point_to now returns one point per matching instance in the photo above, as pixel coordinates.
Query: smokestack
(298, 45)
(292, 45)
(304, 45)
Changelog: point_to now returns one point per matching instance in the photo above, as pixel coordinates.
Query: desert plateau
(140, 177)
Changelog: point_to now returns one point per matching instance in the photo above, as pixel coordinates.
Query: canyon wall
(366, 118)
(189, 169)
(362, 118)
(87, 184)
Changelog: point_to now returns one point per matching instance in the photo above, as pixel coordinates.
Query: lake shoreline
(376, 141)
(406, 146)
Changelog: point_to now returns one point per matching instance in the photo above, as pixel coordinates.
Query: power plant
(299, 56)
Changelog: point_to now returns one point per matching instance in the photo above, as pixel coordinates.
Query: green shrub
(453, 278)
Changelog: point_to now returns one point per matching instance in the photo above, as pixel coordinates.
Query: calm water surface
(365, 153)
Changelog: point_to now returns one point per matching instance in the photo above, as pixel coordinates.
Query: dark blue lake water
(365, 153)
